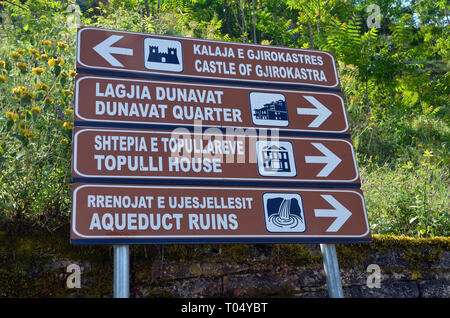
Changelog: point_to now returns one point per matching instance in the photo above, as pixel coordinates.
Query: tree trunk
(318, 22)
(244, 24)
(147, 8)
(254, 21)
(311, 40)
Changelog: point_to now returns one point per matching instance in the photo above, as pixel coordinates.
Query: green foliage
(395, 81)
(37, 55)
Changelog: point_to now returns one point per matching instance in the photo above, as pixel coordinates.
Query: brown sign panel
(134, 101)
(155, 156)
(170, 214)
(148, 54)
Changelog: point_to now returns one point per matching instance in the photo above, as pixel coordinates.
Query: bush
(36, 117)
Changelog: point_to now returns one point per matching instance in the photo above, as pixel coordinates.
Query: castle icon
(163, 55)
(170, 57)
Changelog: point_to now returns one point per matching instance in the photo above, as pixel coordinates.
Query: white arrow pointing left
(331, 160)
(320, 110)
(105, 49)
(340, 212)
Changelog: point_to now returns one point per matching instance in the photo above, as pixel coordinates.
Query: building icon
(269, 109)
(171, 57)
(275, 110)
(275, 159)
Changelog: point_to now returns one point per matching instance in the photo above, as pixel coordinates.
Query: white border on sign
(75, 161)
(198, 76)
(77, 93)
(278, 190)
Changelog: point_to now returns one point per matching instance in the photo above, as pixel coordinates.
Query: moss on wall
(33, 261)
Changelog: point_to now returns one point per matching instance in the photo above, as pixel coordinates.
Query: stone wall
(34, 264)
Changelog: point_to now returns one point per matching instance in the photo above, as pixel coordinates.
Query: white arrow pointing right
(320, 110)
(331, 160)
(105, 49)
(340, 212)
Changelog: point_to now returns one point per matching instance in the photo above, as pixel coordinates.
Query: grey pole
(121, 271)
(331, 267)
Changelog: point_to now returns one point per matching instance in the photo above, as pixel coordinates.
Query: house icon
(170, 57)
(275, 159)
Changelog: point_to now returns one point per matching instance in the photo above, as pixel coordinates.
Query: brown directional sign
(169, 214)
(171, 104)
(181, 155)
(119, 52)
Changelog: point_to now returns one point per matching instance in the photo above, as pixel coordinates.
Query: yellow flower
(17, 90)
(3, 79)
(44, 56)
(20, 51)
(38, 70)
(72, 73)
(68, 112)
(372, 118)
(62, 45)
(67, 92)
(12, 116)
(428, 153)
(377, 157)
(21, 91)
(52, 62)
(43, 86)
(21, 125)
(33, 51)
(68, 126)
(49, 100)
(61, 61)
(64, 141)
(419, 145)
(2, 64)
(372, 125)
(36, 110)
(22, 65)
(15, 55)
(27, 133)
(46, 42)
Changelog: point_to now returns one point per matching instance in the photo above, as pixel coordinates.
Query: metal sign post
(121, 271)
(331, 267)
